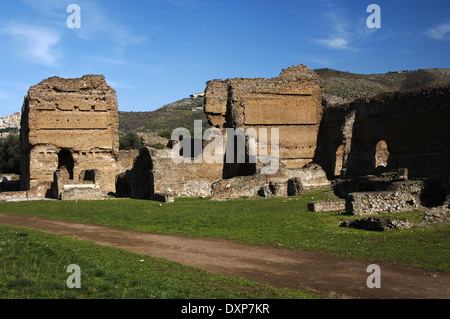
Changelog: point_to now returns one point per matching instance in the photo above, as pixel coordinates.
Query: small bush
(129, 141)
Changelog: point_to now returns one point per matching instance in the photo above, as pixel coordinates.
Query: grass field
(278, 222)
(33, 265)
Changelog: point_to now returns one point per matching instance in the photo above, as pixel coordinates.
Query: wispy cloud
(346, 34)
(97, 20)
(341, 37)
(35, 43)
(440, 32)
(336, 43)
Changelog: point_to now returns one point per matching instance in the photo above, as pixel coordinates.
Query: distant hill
(339, 87)
(164, 120)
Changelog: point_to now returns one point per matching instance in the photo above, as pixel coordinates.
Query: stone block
(326, 206)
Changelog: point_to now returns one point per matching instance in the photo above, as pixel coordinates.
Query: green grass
(278, 222)
(33, 265)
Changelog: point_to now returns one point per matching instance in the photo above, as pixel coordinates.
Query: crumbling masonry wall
(155, 172)
(70, 125)
(291, 102)
(401, 197)
(407, 129)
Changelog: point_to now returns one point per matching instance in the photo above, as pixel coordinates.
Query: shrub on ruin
(129, 141)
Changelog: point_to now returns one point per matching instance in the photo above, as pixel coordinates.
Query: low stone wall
(237, 187)
(82, 192)
(13, 196)
(326, 205)
(286, 182)
(40, 191)
(402, 197)
(436, 215)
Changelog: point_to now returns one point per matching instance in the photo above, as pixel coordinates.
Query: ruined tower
(70, 126)
(291, 102)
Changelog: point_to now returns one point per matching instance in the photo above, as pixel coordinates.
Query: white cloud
(337, 43)
(35, 43)
(97, 20)
(340, 37)
(441, 32)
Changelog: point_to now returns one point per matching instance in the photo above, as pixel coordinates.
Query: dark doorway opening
(66, 163)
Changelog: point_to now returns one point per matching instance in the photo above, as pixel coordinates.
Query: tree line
(10, 154)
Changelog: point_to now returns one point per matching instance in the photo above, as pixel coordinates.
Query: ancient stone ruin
(69, 136)
(386, 153)
(390, 152)
(291, 102)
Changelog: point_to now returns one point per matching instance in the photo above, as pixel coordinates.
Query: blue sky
(155, 52)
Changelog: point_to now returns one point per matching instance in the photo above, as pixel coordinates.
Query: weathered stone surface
(237, 187)
(39, 191)
(216, 97)
(377, 223)
(295, 186)
(291, 102)
(401, 197)
(278, 187)
(14, 196)
(311, 175)
(152, 140)
(286, 182)
(406, 129)
(70, 124)
(82, 192)
(327, 206)
(436, 215)
(155, 172)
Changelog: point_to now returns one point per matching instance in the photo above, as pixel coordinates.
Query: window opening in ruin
(381, 154)
(89, 176)
(65, 162)
(339, 160)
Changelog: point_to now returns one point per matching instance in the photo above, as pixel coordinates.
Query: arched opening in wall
(339, 160)
(381, 154)
(66, 164)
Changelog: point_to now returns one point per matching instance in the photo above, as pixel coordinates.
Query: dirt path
(331, 276)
